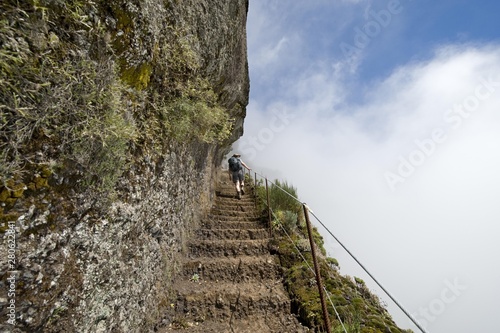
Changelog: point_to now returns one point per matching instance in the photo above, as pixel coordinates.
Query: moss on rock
(137, 76)
(4, 194)
(18, 190)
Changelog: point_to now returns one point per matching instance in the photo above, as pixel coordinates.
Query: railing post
(316, 270)
(269, 210)
(255, 189)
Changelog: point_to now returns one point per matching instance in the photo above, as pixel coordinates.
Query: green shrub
(288, 211)
(282, 197)
(333, 263)
(286, 219)
(54, 96)
(197, 118)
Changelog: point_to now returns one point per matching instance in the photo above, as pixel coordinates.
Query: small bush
(282, 197)
(333, 263)
(287, 220)
(189, 118)
(57, 101)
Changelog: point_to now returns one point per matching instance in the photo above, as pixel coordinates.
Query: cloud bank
(404, 170)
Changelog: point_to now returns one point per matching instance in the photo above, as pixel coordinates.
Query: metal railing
(316, 271)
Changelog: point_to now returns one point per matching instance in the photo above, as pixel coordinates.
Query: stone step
(238, 205)
(232, 224)
(228, 248)
(239, 269)
(204, 300)
(285, 323)
(238, 212)
(230, 198)
(226, 181)
(225, 191)
(232, 233)
(255, 218)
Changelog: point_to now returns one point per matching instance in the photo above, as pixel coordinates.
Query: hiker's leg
(238, 189)
(241, 179)
(236, 181)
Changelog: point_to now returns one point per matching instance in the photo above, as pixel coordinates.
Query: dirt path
(230, 282)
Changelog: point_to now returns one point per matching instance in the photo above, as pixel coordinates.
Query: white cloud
(271, 54)
(441, 222)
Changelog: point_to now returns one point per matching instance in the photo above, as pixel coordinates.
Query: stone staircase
(230, 281)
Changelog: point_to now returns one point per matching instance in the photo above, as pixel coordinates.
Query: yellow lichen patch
(137, 77)
(11, 217)
(45, 171)
(10, 202)
(18, 190)
(40, 182)
(4, 194)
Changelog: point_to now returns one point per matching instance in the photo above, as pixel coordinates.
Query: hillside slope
(351, 306)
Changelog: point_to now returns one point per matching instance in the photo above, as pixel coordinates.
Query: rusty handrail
(269, 210)
(319, 282)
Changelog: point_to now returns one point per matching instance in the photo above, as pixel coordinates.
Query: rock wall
(88, 260)
(109, 270)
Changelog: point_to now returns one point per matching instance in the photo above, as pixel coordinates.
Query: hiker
(236, 173)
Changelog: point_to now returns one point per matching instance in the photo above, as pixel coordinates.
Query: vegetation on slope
(359, 309)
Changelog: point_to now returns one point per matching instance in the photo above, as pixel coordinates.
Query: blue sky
(395, 145)
(315, 31)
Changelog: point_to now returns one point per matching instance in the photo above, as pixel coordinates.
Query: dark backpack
(234, 164)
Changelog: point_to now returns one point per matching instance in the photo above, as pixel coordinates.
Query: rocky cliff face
(114, 116)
